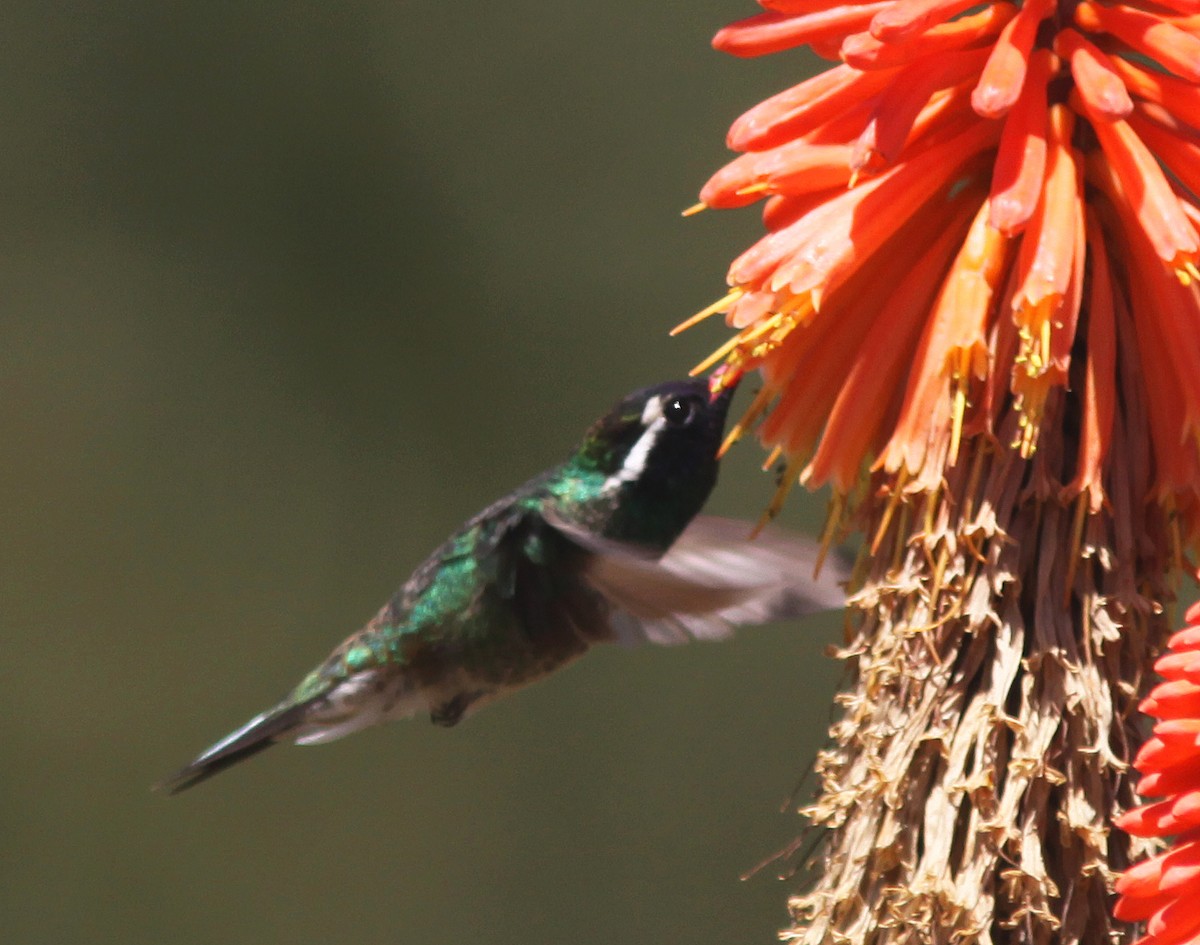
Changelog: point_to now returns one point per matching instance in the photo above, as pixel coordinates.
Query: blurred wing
(715, 577)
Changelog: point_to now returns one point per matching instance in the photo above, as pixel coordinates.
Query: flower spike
(975, 312)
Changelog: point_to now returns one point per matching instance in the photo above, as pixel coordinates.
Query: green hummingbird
(606, 547)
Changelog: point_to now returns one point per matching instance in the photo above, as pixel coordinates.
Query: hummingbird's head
(646, 467)
(659, 432)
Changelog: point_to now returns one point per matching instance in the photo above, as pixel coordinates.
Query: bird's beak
(723, 382)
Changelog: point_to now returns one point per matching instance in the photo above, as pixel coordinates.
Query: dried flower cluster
(976, 315)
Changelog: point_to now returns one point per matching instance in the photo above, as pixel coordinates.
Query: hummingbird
(608, 546)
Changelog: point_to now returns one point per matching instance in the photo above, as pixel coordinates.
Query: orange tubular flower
(976, 314)
(910, 64)
(1164, 891)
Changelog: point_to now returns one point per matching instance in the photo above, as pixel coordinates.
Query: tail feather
(259, 733)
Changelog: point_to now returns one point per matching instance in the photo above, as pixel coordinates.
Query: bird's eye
(680, 411)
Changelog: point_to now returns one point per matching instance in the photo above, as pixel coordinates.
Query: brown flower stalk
(970, 786)
(975, 315)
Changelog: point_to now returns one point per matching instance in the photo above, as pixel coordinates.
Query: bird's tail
(260, 732)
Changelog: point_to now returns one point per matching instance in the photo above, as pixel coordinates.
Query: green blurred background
(287, 292)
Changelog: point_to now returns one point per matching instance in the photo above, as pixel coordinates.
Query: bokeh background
(288, 291)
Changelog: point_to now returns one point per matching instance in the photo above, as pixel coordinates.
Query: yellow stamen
(890, 509)
(1177, 555)
(968, 512)
(972, 546)
(1076, 546)
(743, 337)
(931, 506)
(1030, 425)
(833, 524)
(720, 305)
(766, 325)
(961, 382)
(761, 400)
(858, 574)
(758, 188)
(775, 506)
(798, 303)
(899, 546)
(956, 420)
(1187, 273)
(793, 313)
(716, 356)
(939, 574)
(771, 457)
(694, 209)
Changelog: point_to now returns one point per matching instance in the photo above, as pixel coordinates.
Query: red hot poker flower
(1164, 891)
(976, 314)
(923, 90)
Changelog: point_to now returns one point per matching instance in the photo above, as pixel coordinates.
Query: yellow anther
(753, 412)
(720, 305)
(716, 356)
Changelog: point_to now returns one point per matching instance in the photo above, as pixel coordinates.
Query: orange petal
(954, 343)
(1188, 638)
(1142, 878)
(1182, 156)
(1146, 191)
(794, 169)
(803, 107)
(1179, 666)
(1164, 312)
(811, 374)
(847, 231)
(1095, 76)
(869, 396)
(796, 6)
(946, 111)
(1180, 350)
(1182, 98)
(811, 366)
(773, 32)
(905, 18)
(1178, 699)
(751, 307)
(864, 51)
(1046, 257)
(1178, 922)
(1183, 6)
(1175, 730)
(1189, 24)
(1021, 160)
(1000, 84)
(1140, 898)
(896, 109)
(1144, 821)
(1170, 780)
(1147, 33)
(780, 211)
(1100, 382)
(1156, 755)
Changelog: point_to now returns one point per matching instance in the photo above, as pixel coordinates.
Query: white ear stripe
(653, 420)
(652, 411)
